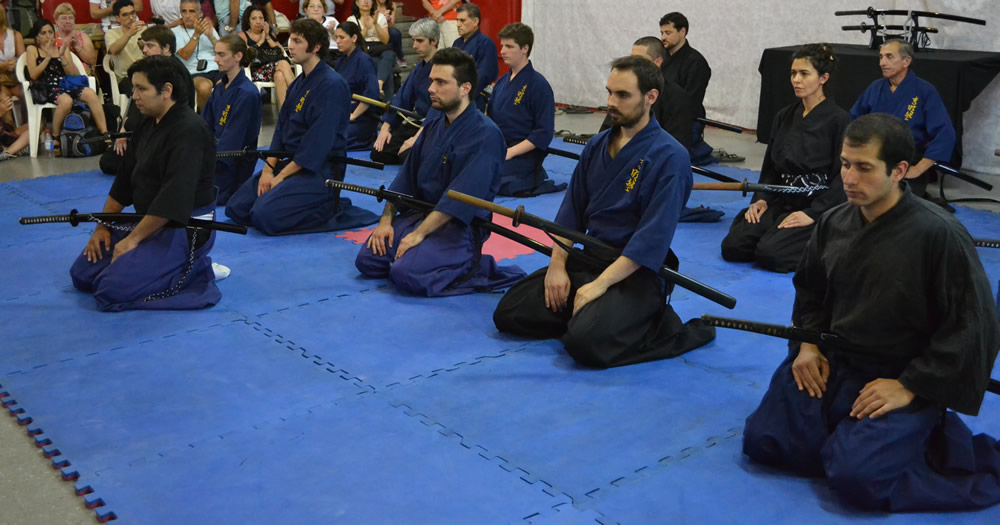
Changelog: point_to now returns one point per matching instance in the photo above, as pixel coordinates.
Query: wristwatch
(229, 29)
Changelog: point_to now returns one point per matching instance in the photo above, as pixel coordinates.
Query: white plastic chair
(121, 100)
(297, 69)
(35, 110)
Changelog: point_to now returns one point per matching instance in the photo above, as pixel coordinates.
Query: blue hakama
(465, 156)
(313, 124)
(167, 172)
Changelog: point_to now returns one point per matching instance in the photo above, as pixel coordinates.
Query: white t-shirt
(168, 10)
(370, 35)
(109, 21)
(326, 23)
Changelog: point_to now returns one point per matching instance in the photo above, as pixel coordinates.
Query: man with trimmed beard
(439, 253)
(628, 190)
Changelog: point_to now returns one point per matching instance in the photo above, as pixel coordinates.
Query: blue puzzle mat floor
(312, 395)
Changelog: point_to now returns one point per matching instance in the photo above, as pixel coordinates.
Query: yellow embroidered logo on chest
(911, 108)
(520, 95)
(298, 107)
(225, 115)
(444, 159)
(634, 176)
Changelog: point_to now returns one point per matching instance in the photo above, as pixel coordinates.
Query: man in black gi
(687, 67)
(156, 40)
(899, 278)
(168, 175)
(673, 108)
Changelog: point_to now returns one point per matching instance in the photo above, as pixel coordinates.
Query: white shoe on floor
(221, 272)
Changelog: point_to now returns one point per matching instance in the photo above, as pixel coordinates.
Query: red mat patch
(499, 247)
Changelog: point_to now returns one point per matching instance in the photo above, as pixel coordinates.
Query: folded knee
(735, 251)
(371, 265)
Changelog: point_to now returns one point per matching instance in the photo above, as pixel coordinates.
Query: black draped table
(959, 77)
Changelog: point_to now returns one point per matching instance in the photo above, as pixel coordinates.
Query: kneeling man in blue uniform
(913, 100)
(899, 278)
(525, 110)
(168, 175)
(290, 195)
(627, 190)
(440, 253)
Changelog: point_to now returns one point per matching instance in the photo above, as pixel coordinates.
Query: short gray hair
(905, 49)
(426, 28)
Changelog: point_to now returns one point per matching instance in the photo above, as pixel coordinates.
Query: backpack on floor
(77, 126)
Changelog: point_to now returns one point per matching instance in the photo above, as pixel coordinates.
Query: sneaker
(221, 272)
(401, 63)
(722, 155)
(5, 156)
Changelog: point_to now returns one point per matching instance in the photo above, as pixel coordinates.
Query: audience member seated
(55, 79)
(123, 42)
(375, 31)
(196, 48)
(67, 34)
(270, 63)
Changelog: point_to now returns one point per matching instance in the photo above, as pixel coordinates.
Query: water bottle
(47, 142)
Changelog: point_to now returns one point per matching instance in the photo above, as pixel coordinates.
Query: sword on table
(552, 229)
(794, 333)
(75, 218)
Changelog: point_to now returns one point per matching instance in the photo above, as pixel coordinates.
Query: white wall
(576, 39)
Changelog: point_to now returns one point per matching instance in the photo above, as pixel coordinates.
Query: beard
(445, 106)
(625, 120)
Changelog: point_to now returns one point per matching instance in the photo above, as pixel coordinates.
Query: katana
(550, 228)
(401, 199)
(748, 187)
(266, 153)
(107, 136)
(986, 243)
(803, 335)
(75, 218)
(694, 169)
(944, 168)
(720, 125)
(411, 117)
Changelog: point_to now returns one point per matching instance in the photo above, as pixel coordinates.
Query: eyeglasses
(130, 14)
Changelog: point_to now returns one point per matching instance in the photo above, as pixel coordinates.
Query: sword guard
(516, 219)
(381, 194)
(72, 218)
(746, 183)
